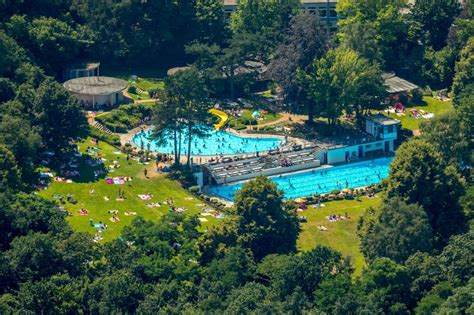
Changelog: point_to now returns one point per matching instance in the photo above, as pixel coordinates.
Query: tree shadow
(80, 168)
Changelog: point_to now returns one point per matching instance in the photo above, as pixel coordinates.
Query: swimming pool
(321, 181)
(213, 143)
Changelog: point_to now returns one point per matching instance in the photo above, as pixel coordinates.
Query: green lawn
(433, 105)
(145, 85)
(158, 185)
(341, 235)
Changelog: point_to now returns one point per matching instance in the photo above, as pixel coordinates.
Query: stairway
(101, 127)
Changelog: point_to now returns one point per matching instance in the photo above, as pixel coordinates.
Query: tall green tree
(211, 20)
(419, 174)
(464, 77)
(264, 223)
(386, 285)
(398, 231)
(185, 107)
(305, 40)
(267, 18)
(431, 19)
(9, 171)
(58, 115)
(342, 81)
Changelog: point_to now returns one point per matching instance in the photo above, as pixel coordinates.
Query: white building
(96, 91)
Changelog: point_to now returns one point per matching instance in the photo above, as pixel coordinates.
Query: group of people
(334, 217)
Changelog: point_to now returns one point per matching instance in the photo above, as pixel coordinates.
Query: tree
(264, 223)
(12, 54)
(7, 90)
(419, 174)
(387, 286)
(464, 77)
(211, 18)
(332, 292)
(434, 299)
(20, 139)
(432, 19)
(460, 302)
(56, 114)
(9, 171)
(266, 18)
(33, 257)
(361, 37)
(344, 81)
(53, 42)
(456, 258)
(119, 292)
(305, 40)
(399, 231)
(185, 108)
(247, 299)
(56, 294)
(451, 134)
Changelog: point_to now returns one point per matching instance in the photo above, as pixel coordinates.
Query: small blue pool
(213, 143)
(321, 181)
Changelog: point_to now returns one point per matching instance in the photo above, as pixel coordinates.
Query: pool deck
(202, 159)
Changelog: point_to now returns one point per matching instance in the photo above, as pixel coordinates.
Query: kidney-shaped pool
(215, 142)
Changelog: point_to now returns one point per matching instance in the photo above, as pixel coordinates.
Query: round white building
(97, 91)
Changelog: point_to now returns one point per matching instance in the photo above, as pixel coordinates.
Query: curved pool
(321, 181)
(212, 143)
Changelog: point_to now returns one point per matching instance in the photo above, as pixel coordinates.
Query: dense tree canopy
(343, 81)
(399, 231)
(419, 256)
(305, 40)
(419, 174)
(264, 223)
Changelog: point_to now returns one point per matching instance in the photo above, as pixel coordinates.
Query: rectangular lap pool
(321, 181)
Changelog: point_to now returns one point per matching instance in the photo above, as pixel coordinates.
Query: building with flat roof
(97, 91)
(81, 69)
(326, 9)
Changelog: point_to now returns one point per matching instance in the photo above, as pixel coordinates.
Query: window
(379, 144)
(390, 129)
(368, 146)
(323, 13)
(333, 13)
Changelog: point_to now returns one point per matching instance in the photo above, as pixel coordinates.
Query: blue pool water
(213, 143)
(321, 181)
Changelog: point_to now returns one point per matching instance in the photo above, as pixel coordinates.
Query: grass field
(158, 185)
(433, 105)
(341, 235)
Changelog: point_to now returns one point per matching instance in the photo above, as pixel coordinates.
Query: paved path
(285, 117)
(151, 100)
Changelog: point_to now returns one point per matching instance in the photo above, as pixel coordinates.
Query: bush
(194, 189)
(102, 136)
(125, 117)
(132, 89)
(417, 96)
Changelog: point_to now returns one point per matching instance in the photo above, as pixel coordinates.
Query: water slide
(222, 115)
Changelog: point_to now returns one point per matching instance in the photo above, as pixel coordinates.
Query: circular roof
(95, 85)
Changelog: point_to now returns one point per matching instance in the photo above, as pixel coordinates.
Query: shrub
(125, 117)
(417, 96)
(102, 136)
(194, 189)
(132, 89)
